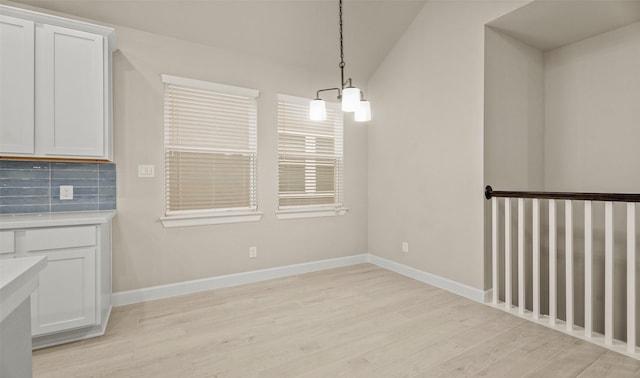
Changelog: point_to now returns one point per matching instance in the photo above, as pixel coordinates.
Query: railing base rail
(576, 331)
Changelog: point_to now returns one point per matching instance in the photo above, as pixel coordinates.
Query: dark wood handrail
(610, 197)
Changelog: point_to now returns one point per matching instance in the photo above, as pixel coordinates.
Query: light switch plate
(146, 170)
(66, 192)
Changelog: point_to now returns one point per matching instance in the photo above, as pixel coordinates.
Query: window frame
(198, 217)
(320, 210)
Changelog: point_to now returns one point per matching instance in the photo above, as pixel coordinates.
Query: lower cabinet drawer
(7, 242)
(43, 239)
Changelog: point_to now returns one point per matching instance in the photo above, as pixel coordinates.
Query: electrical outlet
(405, 247)
(66, 192)
(253, 252)
(146, 170)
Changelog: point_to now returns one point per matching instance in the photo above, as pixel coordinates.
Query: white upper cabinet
(16, 85)
(69, 92)
(59, 92)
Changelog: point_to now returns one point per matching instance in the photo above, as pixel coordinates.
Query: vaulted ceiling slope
(303, 33)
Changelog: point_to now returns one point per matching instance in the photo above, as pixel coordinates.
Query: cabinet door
(69, 93)
(16, 86)
(66, 296)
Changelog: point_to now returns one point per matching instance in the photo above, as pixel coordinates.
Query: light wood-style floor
(358, 321)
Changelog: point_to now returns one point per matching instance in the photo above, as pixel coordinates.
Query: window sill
(209, 219)
(310, 213)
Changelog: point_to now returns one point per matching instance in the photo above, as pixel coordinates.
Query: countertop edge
(22, 221)
(20, 287)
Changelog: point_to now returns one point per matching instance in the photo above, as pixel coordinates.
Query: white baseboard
(431, 279)
(488, 295)
(188, 287)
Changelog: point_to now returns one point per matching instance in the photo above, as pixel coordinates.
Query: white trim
(310, 213)
(44, 18)
(209, 219)
(210, 86)
(188, 287)
(466, 291)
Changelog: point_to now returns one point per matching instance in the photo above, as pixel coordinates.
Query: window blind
(210, 146)
(310, 158)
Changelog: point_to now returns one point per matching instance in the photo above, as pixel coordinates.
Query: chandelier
(352, 98)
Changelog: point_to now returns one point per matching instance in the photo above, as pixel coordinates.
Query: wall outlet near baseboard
(253, 252)
(405, 247)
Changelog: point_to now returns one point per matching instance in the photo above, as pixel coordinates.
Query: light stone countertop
(18, 279)
(75, 218)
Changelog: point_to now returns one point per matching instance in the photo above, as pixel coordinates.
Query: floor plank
(356, 321)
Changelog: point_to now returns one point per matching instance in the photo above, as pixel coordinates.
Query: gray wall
(513, 133)
(146, 254)
(513, 114)
(592, 92)
(426, 143)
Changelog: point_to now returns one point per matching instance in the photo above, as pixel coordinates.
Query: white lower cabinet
(66, 296)
(73, 298)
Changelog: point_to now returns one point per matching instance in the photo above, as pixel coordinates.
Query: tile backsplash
(34, 187)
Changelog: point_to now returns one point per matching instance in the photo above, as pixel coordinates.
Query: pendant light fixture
(352, 98)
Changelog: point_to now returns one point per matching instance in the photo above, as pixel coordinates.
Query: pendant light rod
(328, 89)
(343, 83)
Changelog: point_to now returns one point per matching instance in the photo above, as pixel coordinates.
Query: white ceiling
(547, 25)
(298, 32)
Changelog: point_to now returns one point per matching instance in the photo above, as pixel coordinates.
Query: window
(310, 162)
(210, 153)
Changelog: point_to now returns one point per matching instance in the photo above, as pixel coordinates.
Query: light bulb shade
(363, 113)
(350, 99)
(317, 110)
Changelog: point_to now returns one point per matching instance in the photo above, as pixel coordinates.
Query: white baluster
(631, 277)
(552, 262)
(494, 247)
(568, 217)
(536, 258)
(588, 270)
(521, 301)
(507, 253)
(608, 273)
